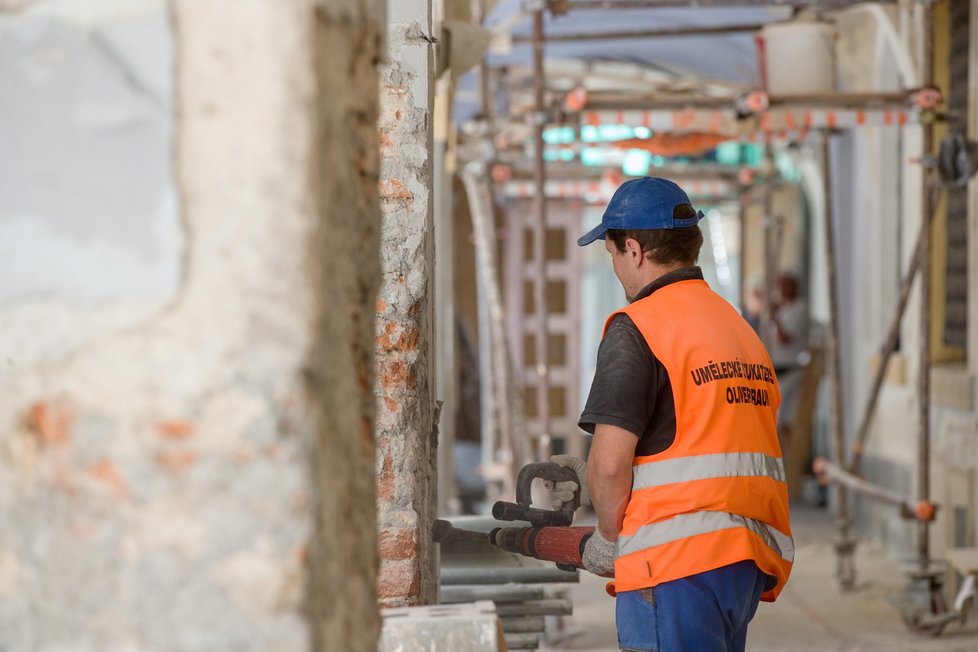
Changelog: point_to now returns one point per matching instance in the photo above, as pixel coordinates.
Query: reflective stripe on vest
(690, 525)
(704, 467)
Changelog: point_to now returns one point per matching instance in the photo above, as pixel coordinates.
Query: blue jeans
(704, 612)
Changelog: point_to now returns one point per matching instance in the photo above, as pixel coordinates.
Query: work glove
(599, 555)
(563, 492)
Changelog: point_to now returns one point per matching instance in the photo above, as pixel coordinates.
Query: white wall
(881, 189)
(90, 235)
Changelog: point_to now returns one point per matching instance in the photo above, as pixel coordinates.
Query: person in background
(789, 326)
(754, 306)
(788, 341)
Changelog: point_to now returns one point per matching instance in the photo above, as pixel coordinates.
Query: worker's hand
(563, 492)
(599, 555)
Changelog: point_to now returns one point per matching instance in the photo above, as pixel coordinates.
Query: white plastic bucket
(799, 58)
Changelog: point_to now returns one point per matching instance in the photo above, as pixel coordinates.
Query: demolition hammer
(550, 536)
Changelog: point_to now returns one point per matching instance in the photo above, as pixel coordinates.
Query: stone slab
(470, 627)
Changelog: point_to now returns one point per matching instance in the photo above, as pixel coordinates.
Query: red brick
(107, 472)
(393, 189)
(175, 428)
(398, 579)
(385, 480)
(51, 422)
(399, 336)
(388, 147)
(176, 461)
(394, 375)
(398, 543)
(391, 405)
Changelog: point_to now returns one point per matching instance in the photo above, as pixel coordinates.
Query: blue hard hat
(645, 203)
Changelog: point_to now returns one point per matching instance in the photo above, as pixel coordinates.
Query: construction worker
(684, 470)
(789, 326)
(788, 341)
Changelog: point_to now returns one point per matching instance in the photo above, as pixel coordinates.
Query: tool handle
(561, 545)
(521, 509)
(564, 545)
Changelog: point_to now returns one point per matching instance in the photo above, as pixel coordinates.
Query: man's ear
(634, 249)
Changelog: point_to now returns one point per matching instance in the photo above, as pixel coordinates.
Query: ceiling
(729, 57)
(725, 58)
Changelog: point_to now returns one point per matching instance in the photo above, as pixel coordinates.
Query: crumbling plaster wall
(406, 420)
(163, 324)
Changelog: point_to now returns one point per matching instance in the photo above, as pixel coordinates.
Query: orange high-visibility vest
(717, 495)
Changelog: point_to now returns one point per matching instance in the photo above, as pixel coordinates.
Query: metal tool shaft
(443, 531)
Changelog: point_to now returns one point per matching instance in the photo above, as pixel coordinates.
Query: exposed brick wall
(406, 438)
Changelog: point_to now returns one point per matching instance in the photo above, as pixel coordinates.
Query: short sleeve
(626, 376)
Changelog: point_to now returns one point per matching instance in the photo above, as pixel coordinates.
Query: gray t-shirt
(631, 387)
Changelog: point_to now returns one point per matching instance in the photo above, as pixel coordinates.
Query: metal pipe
(446, 379)
(484, 571)
(500, 375)
(577, 172)
(504, 593)
(487, 416)
(629, 101)
(617, 101)
(743, 204)
(765, 321)
(923, 377)
(665, 32)
(489, 429)
(827, 471)
(546, 607)
(539, 235)
(485, 89)
(846, 572)
(846, 100)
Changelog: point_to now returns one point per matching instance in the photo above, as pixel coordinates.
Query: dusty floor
(811, 614)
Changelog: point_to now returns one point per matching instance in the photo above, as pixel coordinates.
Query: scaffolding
(747, 116)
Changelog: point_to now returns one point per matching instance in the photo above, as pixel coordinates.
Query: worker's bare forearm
(609, 495)
(610, 476)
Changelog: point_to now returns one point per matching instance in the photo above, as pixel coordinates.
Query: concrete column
(340, 375)
(406, 429)
(189, 237)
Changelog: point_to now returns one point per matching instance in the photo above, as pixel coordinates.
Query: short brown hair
(665, 246)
